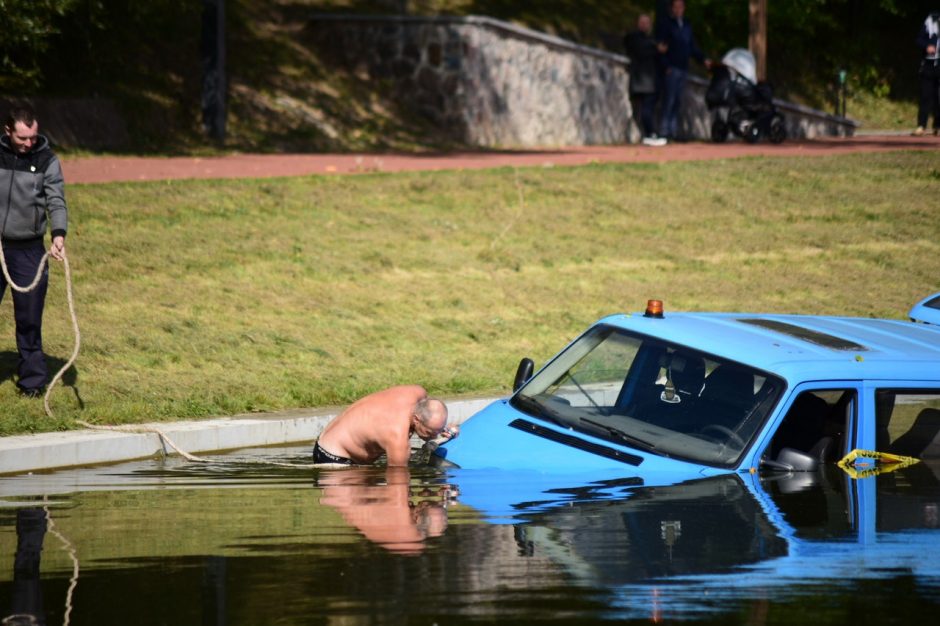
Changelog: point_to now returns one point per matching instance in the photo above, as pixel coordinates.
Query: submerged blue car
(675, 396)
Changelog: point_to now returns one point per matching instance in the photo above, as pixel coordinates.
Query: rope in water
(144, 430)
(426, 449)
(71, 300)
(73, 555)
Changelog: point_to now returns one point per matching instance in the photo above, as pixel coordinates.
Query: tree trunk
(757, 39)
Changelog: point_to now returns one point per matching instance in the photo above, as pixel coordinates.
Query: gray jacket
(32, 192)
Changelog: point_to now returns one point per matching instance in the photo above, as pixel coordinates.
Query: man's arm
(54, 191)
(398, 453)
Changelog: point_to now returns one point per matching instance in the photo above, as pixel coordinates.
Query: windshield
(653, 395)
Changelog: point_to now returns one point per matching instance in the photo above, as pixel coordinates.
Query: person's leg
(648, 114)
(926, 104)
(675, 80)
(667, 123)
(935, 95)
(679, 87)
(636, 101)
(27, 312)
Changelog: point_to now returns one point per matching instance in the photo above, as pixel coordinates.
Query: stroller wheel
(719, 131)
(752, 134)
(778, 130)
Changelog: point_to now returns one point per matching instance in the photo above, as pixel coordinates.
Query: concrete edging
(28, 453)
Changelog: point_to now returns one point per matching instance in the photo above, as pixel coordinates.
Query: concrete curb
(28, 453)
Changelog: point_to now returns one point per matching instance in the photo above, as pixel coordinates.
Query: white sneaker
(653, 140)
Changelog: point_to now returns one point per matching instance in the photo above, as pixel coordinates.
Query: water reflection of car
(683, 395)
(678, 550)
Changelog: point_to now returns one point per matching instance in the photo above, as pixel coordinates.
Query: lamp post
(213, 69)
(840, 100)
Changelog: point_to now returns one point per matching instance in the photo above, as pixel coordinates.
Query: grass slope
(206, 298)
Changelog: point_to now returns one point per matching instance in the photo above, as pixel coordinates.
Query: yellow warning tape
(865, 463)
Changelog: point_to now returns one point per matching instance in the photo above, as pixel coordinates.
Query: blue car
(676, 396)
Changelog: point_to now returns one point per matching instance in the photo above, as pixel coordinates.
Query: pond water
(169, 542)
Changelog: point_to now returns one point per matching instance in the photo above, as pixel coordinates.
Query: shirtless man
(383, 422)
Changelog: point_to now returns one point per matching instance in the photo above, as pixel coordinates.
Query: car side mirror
(523, 373)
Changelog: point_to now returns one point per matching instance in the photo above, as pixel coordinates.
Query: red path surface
(111, 169)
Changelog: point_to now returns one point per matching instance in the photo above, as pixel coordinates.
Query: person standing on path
(674, 34)
(928, 40)
(642, 50)
(31, 181)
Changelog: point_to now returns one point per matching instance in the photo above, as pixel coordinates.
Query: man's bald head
(432, 415)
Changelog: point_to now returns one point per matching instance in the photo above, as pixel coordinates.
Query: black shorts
(322, 456)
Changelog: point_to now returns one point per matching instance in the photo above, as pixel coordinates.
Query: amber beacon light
(654, 308)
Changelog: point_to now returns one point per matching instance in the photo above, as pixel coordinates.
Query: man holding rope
(31, 181)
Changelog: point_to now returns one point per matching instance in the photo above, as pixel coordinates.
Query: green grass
(204, 298)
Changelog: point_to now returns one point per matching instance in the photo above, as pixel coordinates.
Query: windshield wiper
(535, 408)
(581, 389)
(613, 431)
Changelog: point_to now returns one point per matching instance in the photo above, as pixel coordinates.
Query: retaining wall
(486, 82)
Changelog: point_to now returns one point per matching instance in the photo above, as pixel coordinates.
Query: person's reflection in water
(26, 607)
(390, 514)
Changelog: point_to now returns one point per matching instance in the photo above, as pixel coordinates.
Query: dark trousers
(27, 313)
(929, 97)
(646, 104)
(674, 86)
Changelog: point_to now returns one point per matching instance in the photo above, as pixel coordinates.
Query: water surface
(237, 543)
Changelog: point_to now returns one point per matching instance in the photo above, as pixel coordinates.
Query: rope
(71, 300)
(73, 555)
(144, 430)
(866, 463)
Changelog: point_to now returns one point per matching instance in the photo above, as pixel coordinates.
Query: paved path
(111, 169)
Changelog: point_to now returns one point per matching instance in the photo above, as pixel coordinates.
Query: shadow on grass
(9, 361)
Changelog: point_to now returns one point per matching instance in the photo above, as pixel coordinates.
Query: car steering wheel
(729, 434)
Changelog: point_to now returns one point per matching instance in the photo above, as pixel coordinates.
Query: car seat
(923, 439)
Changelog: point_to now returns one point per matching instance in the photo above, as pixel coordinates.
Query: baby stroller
(742, 105)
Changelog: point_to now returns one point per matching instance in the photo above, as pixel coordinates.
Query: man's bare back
(379, 423)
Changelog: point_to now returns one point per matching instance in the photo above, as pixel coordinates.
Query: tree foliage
(809, 41)
(28, 27)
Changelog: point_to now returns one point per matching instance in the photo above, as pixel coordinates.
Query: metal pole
(213, 69)
(843, 75)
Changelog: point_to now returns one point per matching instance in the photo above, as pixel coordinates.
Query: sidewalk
(118, 168)
(28, 453)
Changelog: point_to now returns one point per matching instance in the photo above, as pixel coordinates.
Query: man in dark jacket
(31, 180)
(674, 33)
(642, 50)
(928, 40)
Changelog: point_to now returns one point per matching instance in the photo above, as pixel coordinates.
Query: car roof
(804, 347)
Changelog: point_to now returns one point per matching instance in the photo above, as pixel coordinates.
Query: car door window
(908, 422)
(814, 427)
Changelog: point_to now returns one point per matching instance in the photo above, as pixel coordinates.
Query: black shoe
(32, 393)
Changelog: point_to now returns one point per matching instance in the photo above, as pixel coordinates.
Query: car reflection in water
(385, 508)
(677, 550)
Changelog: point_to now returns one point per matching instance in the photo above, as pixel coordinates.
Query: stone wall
(490, 83)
